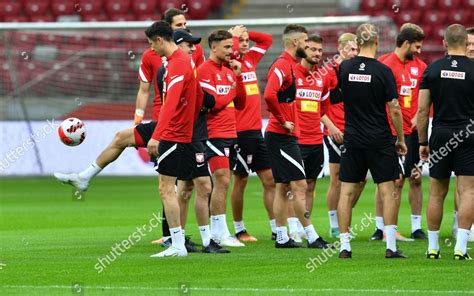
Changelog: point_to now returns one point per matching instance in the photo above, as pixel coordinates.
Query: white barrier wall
(40, 152)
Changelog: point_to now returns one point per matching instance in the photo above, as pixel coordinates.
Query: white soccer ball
(72, 131)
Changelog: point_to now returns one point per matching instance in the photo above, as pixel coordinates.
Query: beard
(300, 53)
(311, 61)
(409, 56)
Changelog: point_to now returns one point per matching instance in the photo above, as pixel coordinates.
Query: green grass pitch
(50, 244)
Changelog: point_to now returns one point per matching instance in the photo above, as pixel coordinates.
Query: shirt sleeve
(325, 96)
(390, 85)
(241, 95)
(263, 42)
(174, 90)
(425, 84)
(276, 78)
(145, 72)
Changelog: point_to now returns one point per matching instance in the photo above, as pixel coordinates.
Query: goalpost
(90, 70)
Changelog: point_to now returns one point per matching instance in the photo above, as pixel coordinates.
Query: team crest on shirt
(226, 151)
(199, 157)
(300, 81)
(414, 71)
(249, 159)
(218, 77)
(362, 67)
(454, 64)
(248, 64)
(229, 77)
(319, 82)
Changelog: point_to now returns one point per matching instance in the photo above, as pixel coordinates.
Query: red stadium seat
(166, 4)
(146, 7)
(63, 7)
(9, 9)
(438, 32)
(42, 18)
(434, 17)
(148, 17)
(216, 4)
(89, 7)
(424, 4)
(122, 17)
(15, 19)
(460, 17)
(449, 4)
(408, 17)
(372, 5)
(117, 7)
(468, 4)
(198, 9)
(95, 18)
(35, 8)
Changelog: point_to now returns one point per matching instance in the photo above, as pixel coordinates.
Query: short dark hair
(218, 36)
(292, 28)
(455, 35)
(470, 31)
(159, 29)
(409, 34)
(170, 14)
(315, 38)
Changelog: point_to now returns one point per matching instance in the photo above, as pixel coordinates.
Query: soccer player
(173, 132)
(281, 137)
(470, 55)
(448, 84)
(333, 122)
(252, 154)
(408, 42)
(367, 87)
(312, 102)
(227, 88)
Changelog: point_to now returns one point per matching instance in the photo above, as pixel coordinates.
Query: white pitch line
(257, 290)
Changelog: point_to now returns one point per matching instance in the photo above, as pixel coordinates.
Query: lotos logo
(453, 75)
(308, 94)
(249, 76)
(223, 89)
(360, 78)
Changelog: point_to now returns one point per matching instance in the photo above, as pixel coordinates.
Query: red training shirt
(180, 101)
(336, 111)
(416, 68)
(279, 78)
(250, 118)
(229, 94)
(149, 66)
(312, 93)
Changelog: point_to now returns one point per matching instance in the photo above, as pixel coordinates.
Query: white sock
(415, 222)
(205, 235)
(345, 239)
(333, 219)
(311, 233)
(300, 227)
(461, 240)
(239, 226)
(177, 237)
(390, 232)
(224, 230)
(433, 240)
(92, 170)
(282, 235)
(472, 228)
(215, 228)
(379, 222)
(455, 221)
(293, 224)
(273, 225)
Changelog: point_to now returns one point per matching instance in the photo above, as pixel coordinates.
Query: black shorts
(334, 150)
(143, 133)
(222, 147)
(405, 163)
(382, 163)
(252, 154)
(172, 159)
(195, 153)
(313, 159)
(285, 157)
(448, 154)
